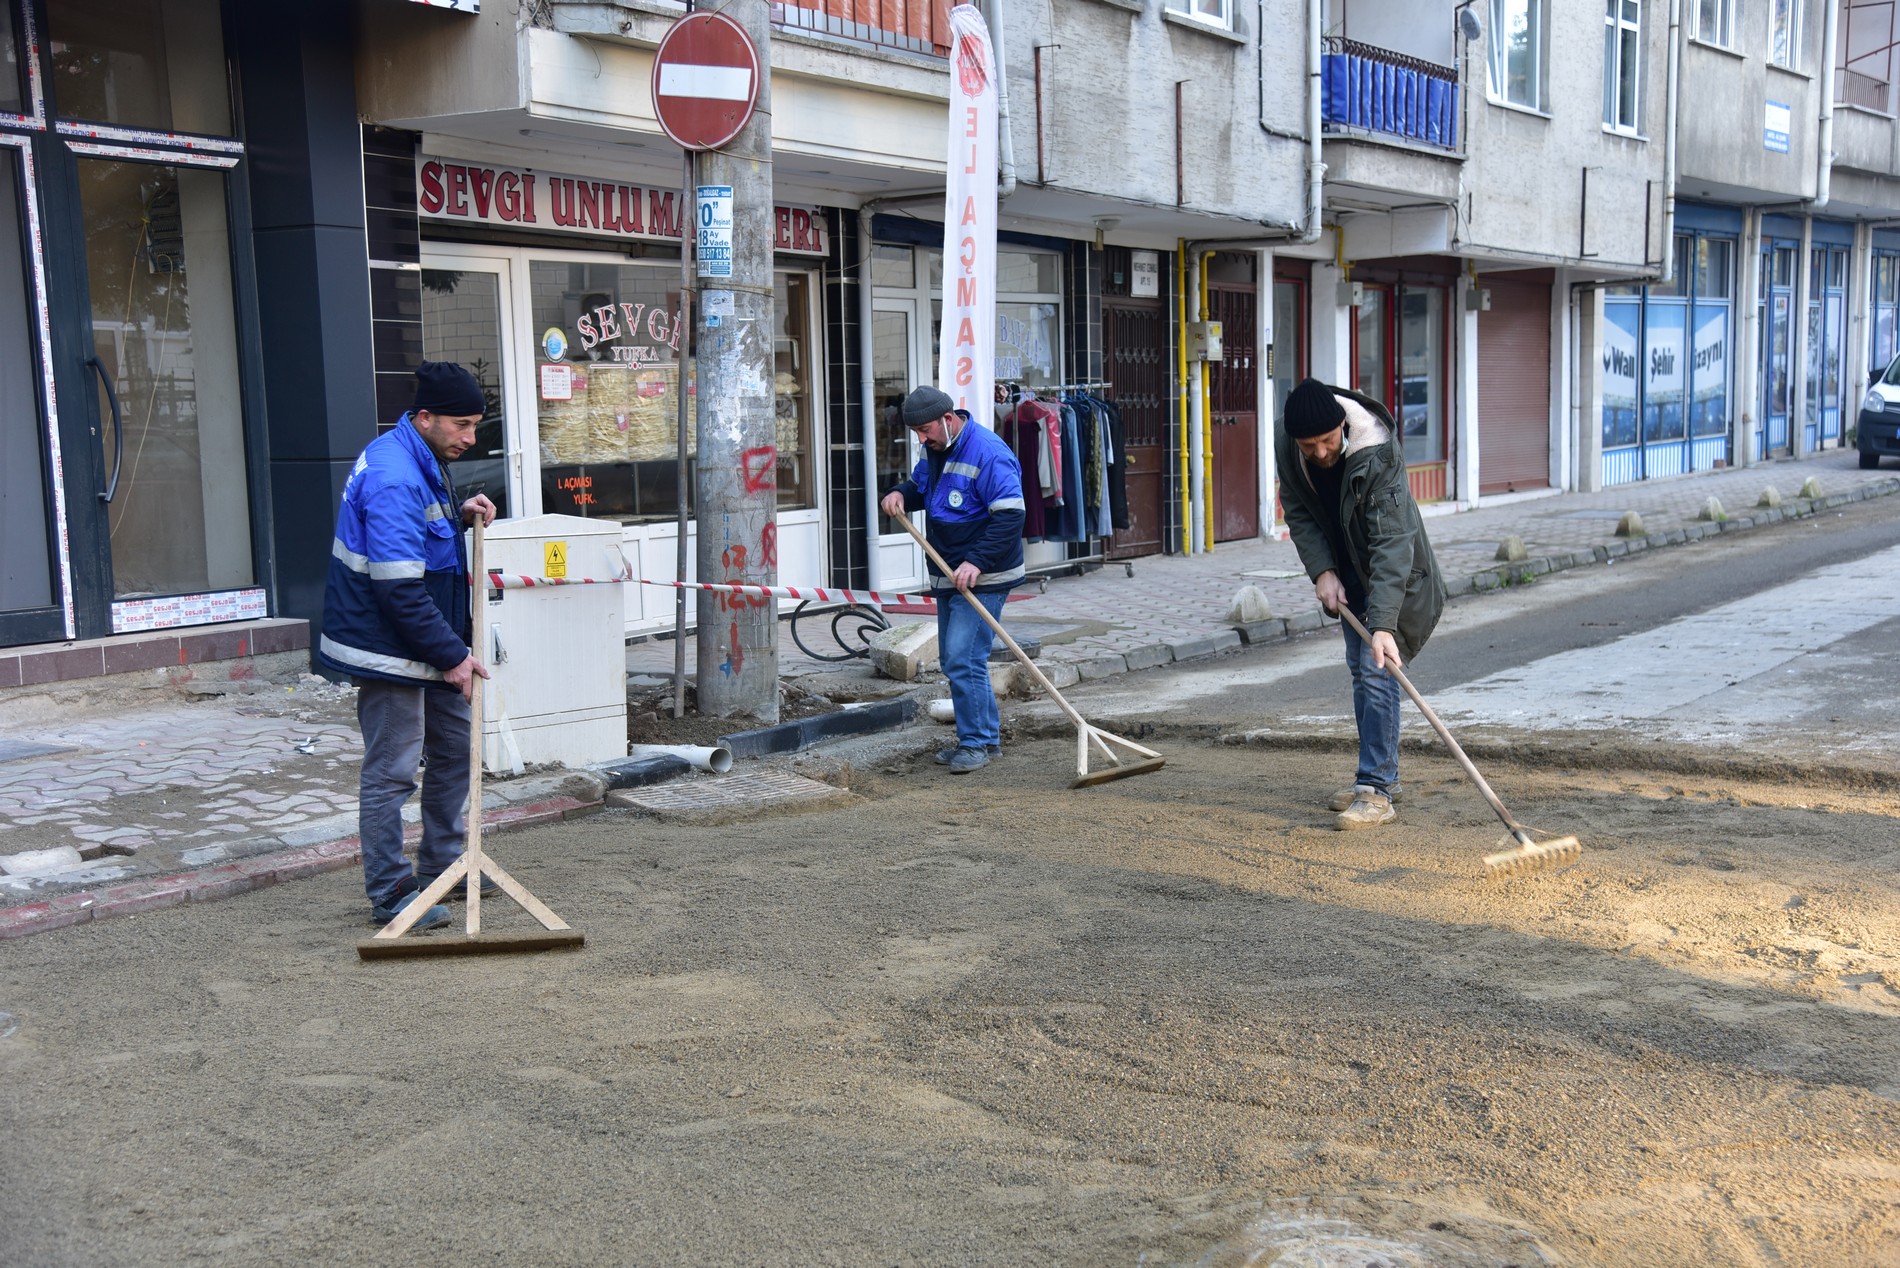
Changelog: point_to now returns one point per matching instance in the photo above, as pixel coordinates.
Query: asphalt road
(1772, 642)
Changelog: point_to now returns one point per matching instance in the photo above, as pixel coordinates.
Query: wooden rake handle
(1345, 614)
(994, 624)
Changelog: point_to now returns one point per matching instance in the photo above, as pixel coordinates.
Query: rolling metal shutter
(1514, 388)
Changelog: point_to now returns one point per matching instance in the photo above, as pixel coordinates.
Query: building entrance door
(1135, 357)
(1236, 415)
(896, 561)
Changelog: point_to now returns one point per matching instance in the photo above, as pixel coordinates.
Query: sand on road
(987, 1020)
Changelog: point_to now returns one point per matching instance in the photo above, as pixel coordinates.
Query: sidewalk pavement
(155, 799)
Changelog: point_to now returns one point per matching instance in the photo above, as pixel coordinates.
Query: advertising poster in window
(1664, 372)
(1621, 323)
(1709, 373)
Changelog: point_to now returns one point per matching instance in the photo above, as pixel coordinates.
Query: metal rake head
(1525, 855)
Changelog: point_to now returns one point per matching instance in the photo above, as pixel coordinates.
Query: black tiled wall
(395, 257)
(850, 535)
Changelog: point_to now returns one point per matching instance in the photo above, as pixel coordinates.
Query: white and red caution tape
(818, 594)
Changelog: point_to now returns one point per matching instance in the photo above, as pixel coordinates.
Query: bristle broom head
(1533, 856)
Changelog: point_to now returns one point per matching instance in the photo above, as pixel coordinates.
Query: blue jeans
(401, 725)
(963, 651)
(1375, 708)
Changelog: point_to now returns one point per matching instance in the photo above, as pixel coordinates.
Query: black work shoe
(945, 754)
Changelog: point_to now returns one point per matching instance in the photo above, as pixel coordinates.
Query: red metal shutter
(1514, 388)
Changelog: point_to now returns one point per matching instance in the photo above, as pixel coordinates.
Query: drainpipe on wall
(1005, 147)
(1668, 273)
(1824, 158)
(1315, 169)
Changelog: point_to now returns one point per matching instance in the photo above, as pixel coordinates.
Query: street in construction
(1174, 1019)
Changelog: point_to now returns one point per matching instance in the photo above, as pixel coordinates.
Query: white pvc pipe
(717, 759)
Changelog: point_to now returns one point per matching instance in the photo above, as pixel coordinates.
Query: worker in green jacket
(1350, 512)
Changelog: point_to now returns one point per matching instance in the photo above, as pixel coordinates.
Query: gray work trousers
(402, 726)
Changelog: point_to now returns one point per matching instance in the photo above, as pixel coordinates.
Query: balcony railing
(911, 26)
(1855, 89)
(1377, 90)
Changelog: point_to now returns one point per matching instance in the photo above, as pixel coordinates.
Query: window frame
(1539, 15)
(1223, 18)
(1787, 56)
(1616, 28)
(1725, 38)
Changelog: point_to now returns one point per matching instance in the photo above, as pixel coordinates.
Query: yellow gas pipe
(1180, 378)
(1207, 425)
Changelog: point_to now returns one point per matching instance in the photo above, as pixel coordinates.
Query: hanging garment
(1067, 522)
(1028, 440)
(1117, 464)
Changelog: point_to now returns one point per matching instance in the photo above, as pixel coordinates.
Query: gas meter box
(1203, 341)
(556, 653)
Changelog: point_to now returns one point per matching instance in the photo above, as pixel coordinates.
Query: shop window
(462, 322)
(894, 267)
(1712, 267)
(164, 327)
(1422, 382)
(609, 406)
(151, 64)
(26, 580)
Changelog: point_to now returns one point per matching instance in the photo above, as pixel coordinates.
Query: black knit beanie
(1311, 410)
(443, 387)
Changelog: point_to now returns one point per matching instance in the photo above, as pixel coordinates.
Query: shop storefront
(130, 415)
(1831, 248)
(1668, 376)
(1401, 357)
(1883, 331)
(575, 336)
(1032, 354)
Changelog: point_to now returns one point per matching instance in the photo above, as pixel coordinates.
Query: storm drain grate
(751, 792)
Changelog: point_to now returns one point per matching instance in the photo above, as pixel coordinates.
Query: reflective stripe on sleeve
(395, 570)
(357, 658)
(350, 559)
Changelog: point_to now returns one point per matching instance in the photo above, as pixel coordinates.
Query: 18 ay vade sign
(705, 80)
(554, 202)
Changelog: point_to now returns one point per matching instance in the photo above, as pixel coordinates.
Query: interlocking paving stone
(748, 792)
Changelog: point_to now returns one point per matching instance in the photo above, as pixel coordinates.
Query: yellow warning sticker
(554, 560)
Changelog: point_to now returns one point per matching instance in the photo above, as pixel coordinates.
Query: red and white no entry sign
(705, 80)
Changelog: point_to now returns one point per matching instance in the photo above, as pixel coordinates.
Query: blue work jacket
(396, 604)
(973, 494)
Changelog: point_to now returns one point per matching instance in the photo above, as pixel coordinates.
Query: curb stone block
(1149, 657)
(1693, 532)
(1482, 581)
(309, 863)
(51, 913)
(1600, 553)
(1058, 673)
(1538, 567)
(1305, 622)
(1252, 632)
(131, 899)
(1202, 645)
(218, 882)
(1109, 666)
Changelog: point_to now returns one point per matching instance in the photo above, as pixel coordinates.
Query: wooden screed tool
(1523, 853)
(475, 862)
(1085, 734)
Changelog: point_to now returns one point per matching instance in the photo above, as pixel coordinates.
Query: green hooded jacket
(1383, 532)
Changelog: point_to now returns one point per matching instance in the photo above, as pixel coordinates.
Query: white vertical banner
(966, 368)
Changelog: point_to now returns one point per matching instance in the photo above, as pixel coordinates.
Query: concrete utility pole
(737, 482)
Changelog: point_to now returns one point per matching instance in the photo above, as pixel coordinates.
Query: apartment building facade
(241, 228)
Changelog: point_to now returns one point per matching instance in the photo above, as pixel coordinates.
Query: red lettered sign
(705, 80)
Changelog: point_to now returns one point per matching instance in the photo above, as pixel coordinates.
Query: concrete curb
(268, 867)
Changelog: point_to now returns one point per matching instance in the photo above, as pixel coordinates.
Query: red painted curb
(245, 875)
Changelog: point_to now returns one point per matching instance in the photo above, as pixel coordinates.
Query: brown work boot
(1369, 809)
(1347, 795)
